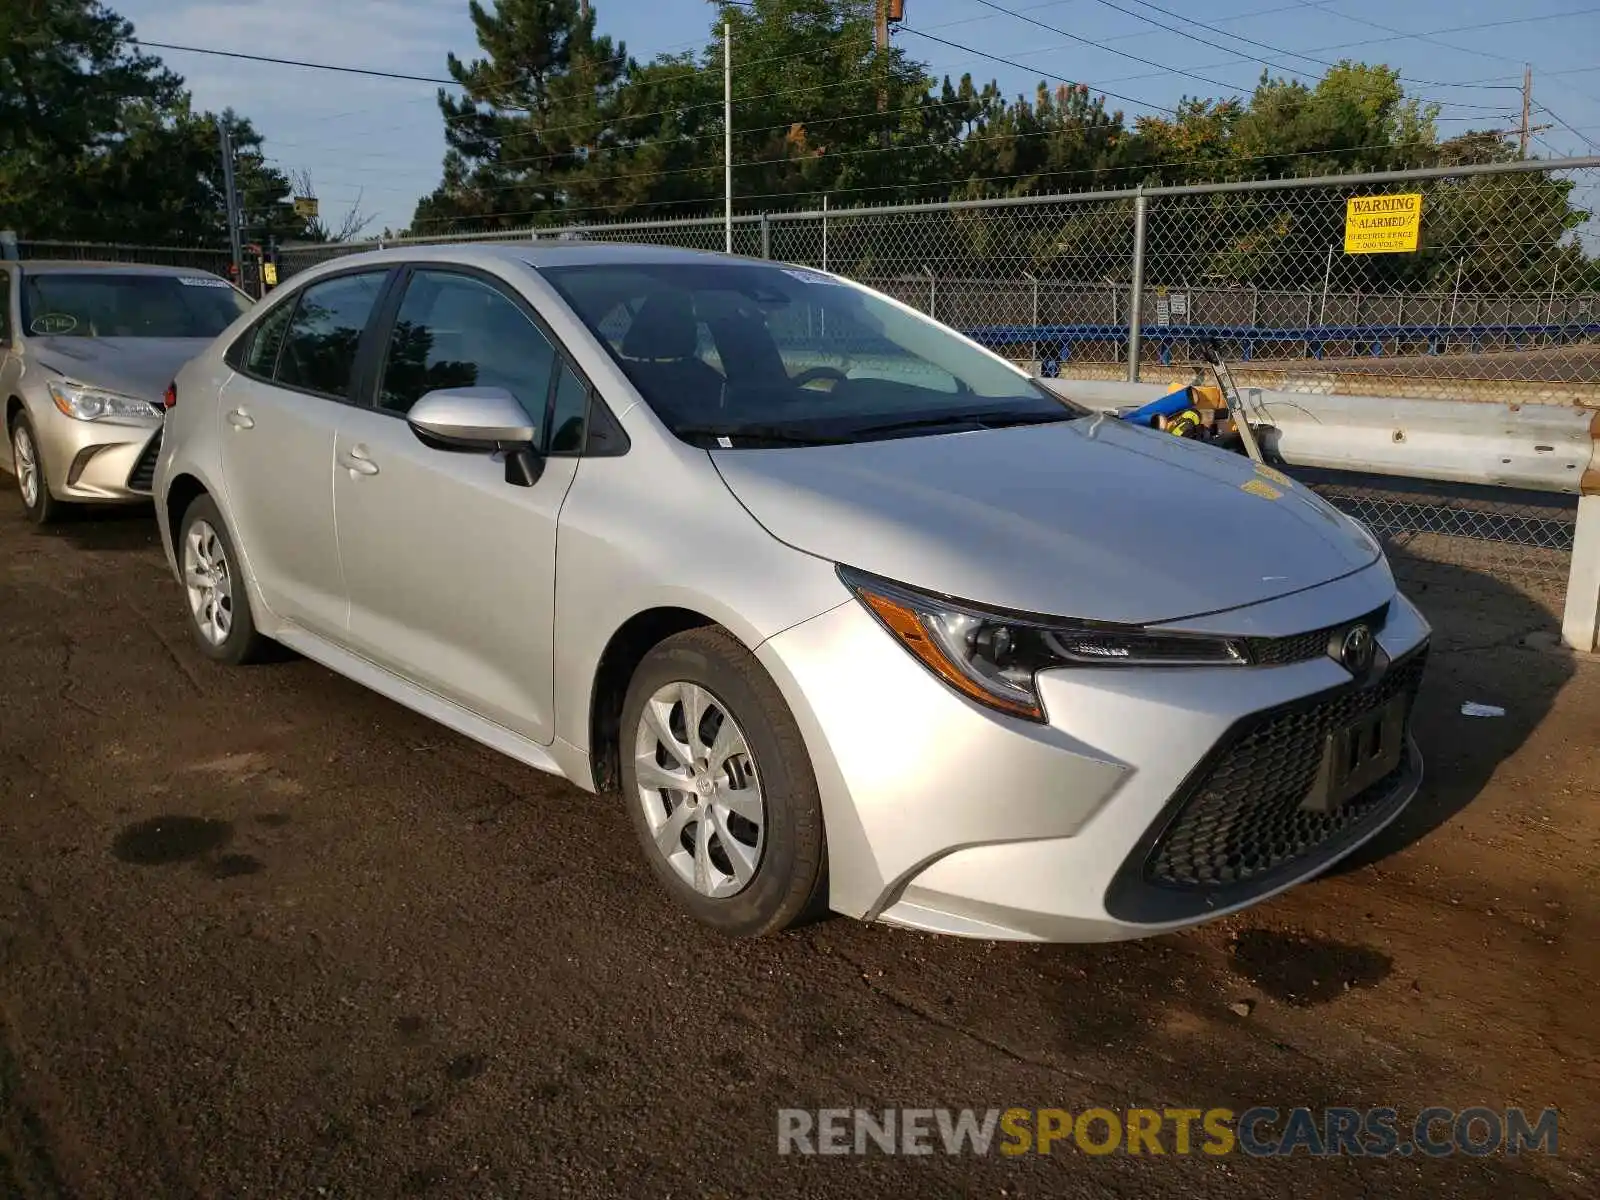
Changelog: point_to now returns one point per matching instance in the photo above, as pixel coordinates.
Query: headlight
(84, 403)
(993, 657)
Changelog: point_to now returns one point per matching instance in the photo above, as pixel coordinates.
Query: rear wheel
(720, 787)
(40, 505)
(213, 583)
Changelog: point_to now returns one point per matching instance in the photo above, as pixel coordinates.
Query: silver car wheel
(26, 460)
(209, 582)
(699, 789)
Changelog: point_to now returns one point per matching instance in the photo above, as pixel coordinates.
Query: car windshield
(132, 305)
(738, 354)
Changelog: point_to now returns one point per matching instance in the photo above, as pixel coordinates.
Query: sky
(379, 143)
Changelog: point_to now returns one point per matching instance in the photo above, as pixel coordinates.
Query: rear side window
(267, 341)
(319, 347)
(5, 308)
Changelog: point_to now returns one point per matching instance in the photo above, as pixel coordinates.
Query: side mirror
(481, 419)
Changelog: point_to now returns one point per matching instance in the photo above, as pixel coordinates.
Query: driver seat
(661, 353)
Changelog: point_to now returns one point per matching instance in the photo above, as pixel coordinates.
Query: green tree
(99, 142)
(530, 115)
(70, 81)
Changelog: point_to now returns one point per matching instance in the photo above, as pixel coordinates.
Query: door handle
(355, 460)
(240, 419)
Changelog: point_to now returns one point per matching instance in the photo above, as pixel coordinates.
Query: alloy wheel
(26, 460)
(209, 582)
(699, 789)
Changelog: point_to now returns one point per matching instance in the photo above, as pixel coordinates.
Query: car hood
(138, 366)
(1092, 518)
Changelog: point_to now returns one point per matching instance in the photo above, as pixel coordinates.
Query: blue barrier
(1055, 343)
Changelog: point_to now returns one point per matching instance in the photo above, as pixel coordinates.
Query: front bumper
(96, 461)
(945, 816)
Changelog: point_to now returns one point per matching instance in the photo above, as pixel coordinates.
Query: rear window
(106, 304)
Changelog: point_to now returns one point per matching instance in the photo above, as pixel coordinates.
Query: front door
(450, 570)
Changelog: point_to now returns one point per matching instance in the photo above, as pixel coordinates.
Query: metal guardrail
(1053, 344)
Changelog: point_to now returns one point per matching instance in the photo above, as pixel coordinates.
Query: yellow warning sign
(1382, 224)
(269, 274)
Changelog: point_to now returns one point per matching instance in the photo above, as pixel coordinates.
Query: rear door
(10, 364)
(281, 414)
(450, 570)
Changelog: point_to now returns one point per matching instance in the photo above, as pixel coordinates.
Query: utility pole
(225, 136)
(1527, 109)
(727, 136)
(880, 41)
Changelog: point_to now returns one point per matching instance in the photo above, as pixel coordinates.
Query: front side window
(569, 413)
(454, 331)
(5, 308)
(107, 304)
(319, 347)
(740, 354)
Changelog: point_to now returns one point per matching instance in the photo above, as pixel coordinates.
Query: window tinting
(107, 304)
(267, 340)
(5, 308)
(567, 416)
(319, 352)
(456, 331)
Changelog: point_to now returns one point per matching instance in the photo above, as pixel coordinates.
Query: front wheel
(213, 583)
(40, 505)
(720, 787)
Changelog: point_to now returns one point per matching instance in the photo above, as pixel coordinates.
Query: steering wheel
(812, 374)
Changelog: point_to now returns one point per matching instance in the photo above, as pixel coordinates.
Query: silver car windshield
(133, 305)
(751, 354)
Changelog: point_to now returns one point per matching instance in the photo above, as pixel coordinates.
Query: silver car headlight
(993, 657)
(82, 402)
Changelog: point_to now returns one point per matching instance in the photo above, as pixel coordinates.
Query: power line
(1561, 121)
(1047, 74)
(1136, 167)
(1149, 62)
(1429, 35)
(1322, 62)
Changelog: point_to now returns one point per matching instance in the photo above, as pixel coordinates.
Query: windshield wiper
(755, 435)
(983, 420)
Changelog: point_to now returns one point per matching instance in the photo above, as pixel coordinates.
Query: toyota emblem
(1357, 650)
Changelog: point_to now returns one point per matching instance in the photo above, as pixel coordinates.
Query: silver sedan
(86, 353)
(845, 610)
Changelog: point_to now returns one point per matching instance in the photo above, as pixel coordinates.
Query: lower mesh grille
(1244, 817)
(143, 476)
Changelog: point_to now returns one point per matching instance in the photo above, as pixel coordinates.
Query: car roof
(537, 254)
(60, 266)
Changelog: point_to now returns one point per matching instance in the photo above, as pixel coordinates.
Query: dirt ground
(265, 934)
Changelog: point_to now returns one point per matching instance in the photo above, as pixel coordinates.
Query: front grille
(1244, 819)
(143, 476)
(1303, 647)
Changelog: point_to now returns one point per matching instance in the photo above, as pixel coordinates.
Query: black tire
(242, 643)
(44, 508)
(790, 884)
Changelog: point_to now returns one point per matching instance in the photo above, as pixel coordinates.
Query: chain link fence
(201, 257)
(1522, 536)
(1499, 299)
(1500, 295)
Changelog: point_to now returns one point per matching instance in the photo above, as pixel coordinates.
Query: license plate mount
(1358, 755)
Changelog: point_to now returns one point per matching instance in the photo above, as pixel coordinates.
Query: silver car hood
(138, 366)
(1092, 518)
